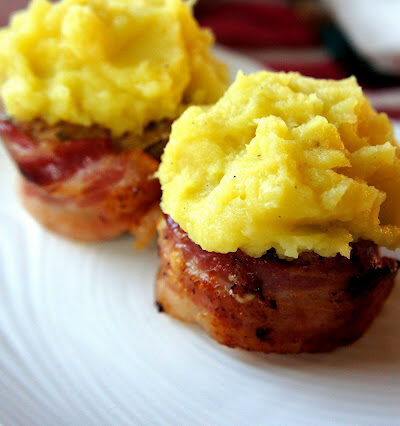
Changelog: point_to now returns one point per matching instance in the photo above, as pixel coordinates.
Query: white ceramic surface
(81, 343)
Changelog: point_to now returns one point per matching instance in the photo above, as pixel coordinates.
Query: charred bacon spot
(272, 304)
(361, 283)
(263, 334)
(260, 294)
(270, 254)
(159, 307)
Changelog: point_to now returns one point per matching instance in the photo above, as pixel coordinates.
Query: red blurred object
(256, 24)
(284, 36)
(272, 32)
(9, 6)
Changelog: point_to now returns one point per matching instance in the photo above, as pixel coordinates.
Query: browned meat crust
(103, 203)
(311, 304)
(85, 185)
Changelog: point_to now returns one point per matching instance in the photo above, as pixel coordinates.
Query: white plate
(81, 343)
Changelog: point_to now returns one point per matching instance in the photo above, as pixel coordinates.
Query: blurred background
(319, 38)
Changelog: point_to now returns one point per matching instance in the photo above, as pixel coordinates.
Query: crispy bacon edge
(85, 190)
(311, 304)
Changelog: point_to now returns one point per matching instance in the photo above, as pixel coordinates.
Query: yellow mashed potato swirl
(284, 161)
(117, 63)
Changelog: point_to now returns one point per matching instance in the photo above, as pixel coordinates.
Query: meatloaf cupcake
(271, 231)
(89, 90)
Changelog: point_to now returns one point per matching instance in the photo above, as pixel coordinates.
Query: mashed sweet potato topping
(284, 161)
(117, 63)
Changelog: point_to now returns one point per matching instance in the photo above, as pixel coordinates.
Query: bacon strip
(83, 188)
(309, 304)
(45, 168)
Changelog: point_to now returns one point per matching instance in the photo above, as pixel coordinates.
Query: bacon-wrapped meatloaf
(268, 304)
(90, 89)
(276, 199)
(84, 184)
